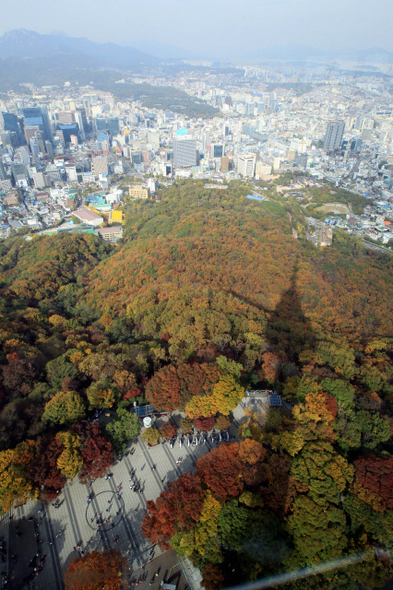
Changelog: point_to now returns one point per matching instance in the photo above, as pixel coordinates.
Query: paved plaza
(47, 537)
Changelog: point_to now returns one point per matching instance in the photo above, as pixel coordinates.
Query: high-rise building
(69, 130)
(30, 132)
(301, 160)
(49, 149)
(40, 141)
(334, 135)
(38, 117)
(99, 165)
(184, 151)
(14, 124)
(113, 126)
(101, 124)
(136, 158)
(153, 138)
(3, 172)
(216, 150)
(225, 164)
(246, 165)
(80, 118)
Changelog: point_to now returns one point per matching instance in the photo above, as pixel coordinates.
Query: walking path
(110, 519)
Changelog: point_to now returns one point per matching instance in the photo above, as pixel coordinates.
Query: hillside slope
(200, 253)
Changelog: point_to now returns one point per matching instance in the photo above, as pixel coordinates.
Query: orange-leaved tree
(97, 570)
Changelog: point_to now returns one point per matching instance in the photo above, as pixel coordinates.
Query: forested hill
(210, 294)
(212, 266)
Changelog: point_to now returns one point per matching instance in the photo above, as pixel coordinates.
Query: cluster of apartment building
(330, 125)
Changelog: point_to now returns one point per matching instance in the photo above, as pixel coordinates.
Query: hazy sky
(211, 26)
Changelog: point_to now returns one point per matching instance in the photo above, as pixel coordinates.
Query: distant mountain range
(29, 44)
(81, 52)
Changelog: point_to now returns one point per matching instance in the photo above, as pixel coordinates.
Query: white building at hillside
(86, 216)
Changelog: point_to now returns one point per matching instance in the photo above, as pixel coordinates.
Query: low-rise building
(138, 192)
(86, 216)
(111, 234)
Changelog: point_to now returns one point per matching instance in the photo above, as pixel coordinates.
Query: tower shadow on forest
(288, 330)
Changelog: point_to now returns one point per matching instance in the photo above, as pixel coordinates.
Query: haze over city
(223, 28)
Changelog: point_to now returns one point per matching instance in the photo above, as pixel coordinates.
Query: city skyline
(225, 30)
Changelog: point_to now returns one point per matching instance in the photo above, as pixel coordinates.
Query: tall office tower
(184, 151)
(69, 130)
(14, 124)
(99, 165)
(38, 117)
(113, 126)
(136, 158)
(225, 164)
(246, 165)
(334, 135)
(216, 150)
(40, 141)
(3, 172)
(153, 138)
(23, 155)
(35, 150)
(101, 124)
(80, 118)
(49, 148)
(87, 107)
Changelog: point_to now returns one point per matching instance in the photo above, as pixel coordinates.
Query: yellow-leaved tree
(70, 461)
(15, 487)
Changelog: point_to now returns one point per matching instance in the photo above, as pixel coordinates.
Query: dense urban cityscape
(67, 148)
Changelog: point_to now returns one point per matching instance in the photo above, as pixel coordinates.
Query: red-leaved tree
(168, 430)
(221, 471)
(204, 423)
(96, 450)
(176, 509)
(376, 475)
(213, 577)
(44, 471)
(163, 390)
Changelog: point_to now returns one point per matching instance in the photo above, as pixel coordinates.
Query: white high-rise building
(246, 165)
(184, 151)
(334, 135)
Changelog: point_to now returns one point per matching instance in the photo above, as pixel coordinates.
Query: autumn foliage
(209, 295)
(178, 507)
(97, 570)
(168, 430)
(376, 476)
